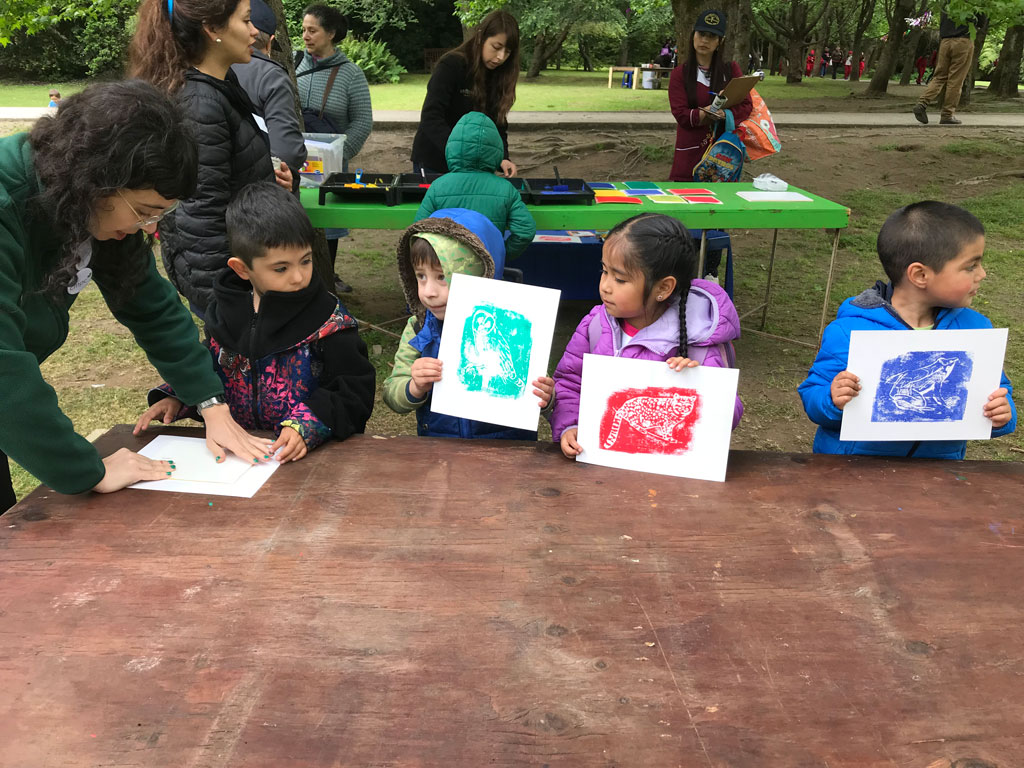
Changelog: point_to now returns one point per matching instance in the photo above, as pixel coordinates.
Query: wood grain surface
(415, 602)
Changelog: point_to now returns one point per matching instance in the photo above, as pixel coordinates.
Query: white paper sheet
(496, 340)
(774, 197)
(198, 472)
(923, 385)
(642, 415)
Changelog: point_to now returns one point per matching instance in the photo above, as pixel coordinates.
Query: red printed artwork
(650, 420)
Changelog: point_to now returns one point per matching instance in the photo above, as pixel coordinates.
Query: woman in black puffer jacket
(187, 47)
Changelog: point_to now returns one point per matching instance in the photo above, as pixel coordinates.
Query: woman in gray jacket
(333, 92)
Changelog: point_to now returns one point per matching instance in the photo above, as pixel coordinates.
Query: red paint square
(702, 199)
(692, 191)
(650, 420)
(631, 200)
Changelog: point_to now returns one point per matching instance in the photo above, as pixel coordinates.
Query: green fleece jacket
(33, 430)
(473, 153)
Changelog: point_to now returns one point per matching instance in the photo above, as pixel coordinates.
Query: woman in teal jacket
(474, 153)
(79, 197)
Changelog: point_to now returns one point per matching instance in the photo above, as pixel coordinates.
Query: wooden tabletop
(414, 602)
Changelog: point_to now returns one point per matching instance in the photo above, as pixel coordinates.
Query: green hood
(474, 145)
(458, 248)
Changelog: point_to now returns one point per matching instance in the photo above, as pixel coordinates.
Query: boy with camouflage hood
(452, 241)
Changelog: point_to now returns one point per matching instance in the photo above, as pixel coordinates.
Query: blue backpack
(723, 160)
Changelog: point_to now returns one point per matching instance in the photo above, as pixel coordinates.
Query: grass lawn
(569, 90)
(35, 94)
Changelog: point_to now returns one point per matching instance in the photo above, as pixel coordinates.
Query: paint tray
(560, 191)
(411, 187)
(372, 187)
(520, 185)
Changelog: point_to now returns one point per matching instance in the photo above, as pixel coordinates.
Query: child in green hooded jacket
(474, 153)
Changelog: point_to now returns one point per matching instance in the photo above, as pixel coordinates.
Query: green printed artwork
(495, 353)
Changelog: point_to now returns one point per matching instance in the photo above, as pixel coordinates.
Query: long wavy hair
(167, 43)
(494, 91)
(109, 137)
(717, 72)
(658, 246)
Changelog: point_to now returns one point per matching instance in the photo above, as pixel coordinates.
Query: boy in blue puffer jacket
(474, 152)
(452, 241)
(931, 253)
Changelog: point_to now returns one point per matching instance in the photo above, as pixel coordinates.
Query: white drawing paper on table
(197, 471)
(757, 196)
(923, 385)
(495, 341)
(642, 415)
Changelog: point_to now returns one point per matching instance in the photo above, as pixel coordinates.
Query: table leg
(703, 252)
(828, 286)
(768, 287)
(636, 77)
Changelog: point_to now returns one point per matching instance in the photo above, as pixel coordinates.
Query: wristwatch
(210, 402)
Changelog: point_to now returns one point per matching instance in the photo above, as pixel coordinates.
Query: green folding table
(732, 212)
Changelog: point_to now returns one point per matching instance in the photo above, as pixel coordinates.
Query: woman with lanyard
(691, 89)
(186, 48)
(478, 76)
(80, 197)
(333, 94)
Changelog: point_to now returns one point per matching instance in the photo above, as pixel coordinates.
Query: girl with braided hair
(651, 309)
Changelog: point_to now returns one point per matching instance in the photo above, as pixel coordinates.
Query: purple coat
(711, 325)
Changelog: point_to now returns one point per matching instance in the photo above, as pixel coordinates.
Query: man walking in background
(955, 55)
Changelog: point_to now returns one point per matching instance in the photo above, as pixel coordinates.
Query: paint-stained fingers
(124, 468)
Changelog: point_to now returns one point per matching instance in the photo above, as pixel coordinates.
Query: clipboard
(736, 90)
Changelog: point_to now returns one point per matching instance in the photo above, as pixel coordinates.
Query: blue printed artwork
(923, 387)
(495, 351)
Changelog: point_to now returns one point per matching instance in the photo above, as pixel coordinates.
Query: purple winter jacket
(711, 322)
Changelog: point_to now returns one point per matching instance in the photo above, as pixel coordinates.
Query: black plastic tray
(411, 187)
(543, 192)
(335, 184)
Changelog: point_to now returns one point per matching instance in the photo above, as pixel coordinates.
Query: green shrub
(373, 57)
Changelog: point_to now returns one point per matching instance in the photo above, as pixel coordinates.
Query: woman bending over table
(80, 198)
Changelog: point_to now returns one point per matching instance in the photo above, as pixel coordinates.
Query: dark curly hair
(166, 43)
(111, 136)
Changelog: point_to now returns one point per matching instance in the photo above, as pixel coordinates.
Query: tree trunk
(544, 48)
(910, 55)
(623, 51)
(797, 61)
(865, 13)
(1007, 72)
(741, 36)
(880, 81)
(685, 14)
(588, 64)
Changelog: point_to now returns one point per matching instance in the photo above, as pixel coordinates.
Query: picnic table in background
(729, 210)
(446, 602)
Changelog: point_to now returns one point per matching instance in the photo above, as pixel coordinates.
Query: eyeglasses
(149, 220)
